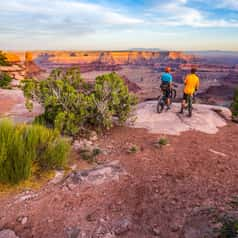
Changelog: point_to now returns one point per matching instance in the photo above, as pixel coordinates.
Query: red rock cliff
(107, 57)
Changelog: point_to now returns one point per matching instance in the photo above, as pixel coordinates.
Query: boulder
(8, 234)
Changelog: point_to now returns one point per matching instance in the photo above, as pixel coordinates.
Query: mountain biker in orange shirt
(191, 83)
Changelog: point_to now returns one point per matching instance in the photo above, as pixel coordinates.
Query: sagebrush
(234, 106)
(73, 106)
(22, 146)
(5, 80)
(3, 60)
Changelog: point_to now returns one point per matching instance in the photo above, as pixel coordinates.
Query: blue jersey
(166, 78)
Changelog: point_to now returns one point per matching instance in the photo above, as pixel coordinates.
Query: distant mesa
(109, 57)
(22, 65)
(13, 57)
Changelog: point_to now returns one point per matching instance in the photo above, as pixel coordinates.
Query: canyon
(133, 194)
(140, 69)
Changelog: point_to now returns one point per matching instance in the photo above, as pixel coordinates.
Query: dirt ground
(161, 188)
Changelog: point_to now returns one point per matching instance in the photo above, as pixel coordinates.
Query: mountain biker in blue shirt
(166, 85)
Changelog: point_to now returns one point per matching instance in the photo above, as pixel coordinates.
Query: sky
(118, 25)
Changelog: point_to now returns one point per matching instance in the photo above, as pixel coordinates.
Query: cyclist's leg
(168, 99)
(190, 104)
(184, 101)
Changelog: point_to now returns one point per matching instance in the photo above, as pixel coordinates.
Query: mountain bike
(173, 92)
(162, 100)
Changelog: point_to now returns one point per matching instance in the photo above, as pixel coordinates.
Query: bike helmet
(193, 70)
(167, 70)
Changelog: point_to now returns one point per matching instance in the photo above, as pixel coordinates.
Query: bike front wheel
(173, 93)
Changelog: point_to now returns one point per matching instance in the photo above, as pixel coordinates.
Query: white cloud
(177, 13)
(230, 4)
(75, 9)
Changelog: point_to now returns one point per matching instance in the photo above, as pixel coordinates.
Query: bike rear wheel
(160, 105)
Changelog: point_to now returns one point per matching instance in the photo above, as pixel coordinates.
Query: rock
(73, 167)
(92, 216)
(83, 234)
(84, 146)
(26, 196)
(93, 136)
(14, 106)
(156, 231)
(217, 226)
(98, 175)
(204, 119)
(8, 234)
(199, 225)
(73, 232)
(109, 235)
(76, 145)
(122, 226)
(101, 231)
(175, 228)
(71, 186)
(22, 219)
(59, 175)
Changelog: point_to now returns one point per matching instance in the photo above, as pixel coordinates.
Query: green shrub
(5, 80)
(112, 100)
(163, 141)
(22, 146)
(90, 155)
(133, 149)
(73, 106)
(15, 159)
(234, 106)
(229, 228)
(3, 60)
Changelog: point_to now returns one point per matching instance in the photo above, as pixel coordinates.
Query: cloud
(74, 8)
(227, 4)
(178, 13)
(60, 17)
(80, 23)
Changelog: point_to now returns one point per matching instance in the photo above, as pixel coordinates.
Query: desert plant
(161, 142)
(90, 155)
(73, 106)
(3, 59)
(15, 159)
(229, 228)
(5, 80)
(21, 146)
(234, 106)
(112, 99)
(133, 149)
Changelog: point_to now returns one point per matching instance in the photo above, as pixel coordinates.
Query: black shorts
(185, 96)
(166, 89)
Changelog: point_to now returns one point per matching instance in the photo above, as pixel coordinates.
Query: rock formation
(97, 59)
(22, 65)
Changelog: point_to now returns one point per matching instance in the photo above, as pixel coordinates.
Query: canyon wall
(87, 57)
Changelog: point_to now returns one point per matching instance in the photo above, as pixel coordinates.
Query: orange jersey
(191, 83)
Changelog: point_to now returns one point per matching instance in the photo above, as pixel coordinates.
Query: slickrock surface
(206, 118)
